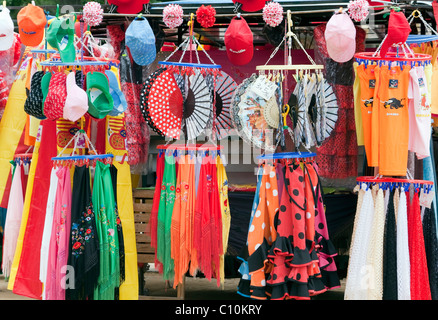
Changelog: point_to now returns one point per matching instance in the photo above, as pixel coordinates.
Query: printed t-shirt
(373, 160)
(393, 120)
(419, 113)
(367, 78)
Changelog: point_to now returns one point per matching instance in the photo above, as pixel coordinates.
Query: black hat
(34, 102)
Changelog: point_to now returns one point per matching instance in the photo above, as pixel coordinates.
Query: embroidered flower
(77, 245)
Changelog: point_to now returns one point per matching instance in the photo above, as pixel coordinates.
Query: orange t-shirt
(367, 78)
(393, 125)
(373, 161)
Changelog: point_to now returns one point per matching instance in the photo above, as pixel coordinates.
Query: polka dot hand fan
(162, 104)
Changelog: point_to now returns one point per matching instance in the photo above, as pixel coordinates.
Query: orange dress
(262, 232)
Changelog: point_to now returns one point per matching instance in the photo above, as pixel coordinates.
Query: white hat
(6, 30)
(340, 37)
(76, 102)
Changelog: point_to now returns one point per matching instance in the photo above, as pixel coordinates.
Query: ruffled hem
(330, 279)
(258, 258)
(294, 256)
(243, 288)
(326, 246)
(301, 257)
(258, 293)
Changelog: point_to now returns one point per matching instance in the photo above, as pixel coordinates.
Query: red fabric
(251, 5)
(435, 10)
(27, 281)
(420, 288)
(207, 236)
(100, 143)
(129, 6)
(55, 100)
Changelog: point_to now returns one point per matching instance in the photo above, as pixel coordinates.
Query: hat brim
(240, 59)
(140, 56)
(31, 39)
(120, 103)
(7, 41)
(76, 103)
(103, 103)
(341, 55)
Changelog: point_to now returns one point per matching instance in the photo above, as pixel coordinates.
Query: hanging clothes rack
(288, 50)
(181, 67)
(89, 160)
(287, 155)
(387, 182)
(402, 55)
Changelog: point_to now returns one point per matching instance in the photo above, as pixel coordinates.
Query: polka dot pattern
(292, 268)
(262, 229)
(162, 103)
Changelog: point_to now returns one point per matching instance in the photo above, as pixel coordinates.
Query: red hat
(398, 31)
(56, 96)
(251, 5)
(128, 6)
(238, 40)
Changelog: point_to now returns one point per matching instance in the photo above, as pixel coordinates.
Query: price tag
(264, 88)
(426, 198)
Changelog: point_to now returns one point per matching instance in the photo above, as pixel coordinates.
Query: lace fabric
(403, 262)
(375, 249)
(356, 286)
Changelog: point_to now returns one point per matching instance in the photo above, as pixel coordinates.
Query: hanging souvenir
(288, 256)
(162, 103)
(197, 106)
(248, 116)
(190, 107)
(173, 15)
(205, 15)
(222, 88)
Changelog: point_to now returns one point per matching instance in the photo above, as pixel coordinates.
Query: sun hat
(140, 40)
(56, 96)
(31, 22)
(340, 37)
(34, 101)
(120, 104)
(100, 102)
(251, 5)
(398, 31)
(76, 102)
(128, 6)
(6, 30)
(238, 40)
(60, 35)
